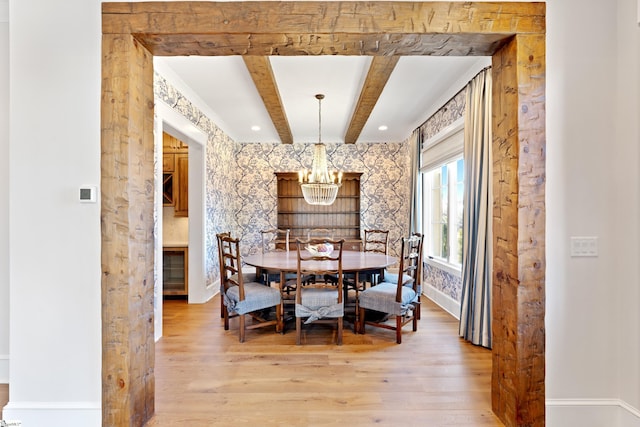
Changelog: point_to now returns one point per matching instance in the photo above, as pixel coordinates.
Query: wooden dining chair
(319, 233)
(275, 239)
(219, 237)
(249, 277)
(374, 241)
(397, 296)
(390, 274)
(243, 297)
(321, 301)
(278, 240)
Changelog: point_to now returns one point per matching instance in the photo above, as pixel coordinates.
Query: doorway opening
(513, 34)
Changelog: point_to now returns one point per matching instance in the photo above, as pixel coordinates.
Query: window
(442, 196)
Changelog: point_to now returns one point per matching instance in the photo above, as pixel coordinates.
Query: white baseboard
(591, 413)
(4, 369)
(447, 303)
(67, 414)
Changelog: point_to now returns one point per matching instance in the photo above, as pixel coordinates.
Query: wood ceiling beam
(265, 44)
(322, 17)
(377, 77)
(262, 74)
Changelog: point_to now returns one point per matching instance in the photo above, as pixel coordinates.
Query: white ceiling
(224, 90)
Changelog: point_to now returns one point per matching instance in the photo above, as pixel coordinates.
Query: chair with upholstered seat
(219, 237)
(322, 300)
(244, 297)
(318, 234)
(390, 274)
(274, 240)
(376, 241)
(397, 295)
(249, 277)
(277, 240)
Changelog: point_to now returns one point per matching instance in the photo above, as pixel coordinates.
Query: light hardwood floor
(205, 377)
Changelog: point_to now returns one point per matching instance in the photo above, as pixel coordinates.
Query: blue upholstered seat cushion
(248, 277)
(317, 297)
(392, 277)
(257, 297)
(318, 303)
(382, 297)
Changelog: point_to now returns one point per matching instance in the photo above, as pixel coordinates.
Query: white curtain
(415, 187)
(475, 313)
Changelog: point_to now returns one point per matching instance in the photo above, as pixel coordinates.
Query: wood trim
(519, 231)
(262, 74)
(127, 176)
(512, 32)
(261, 44)
(377, 77)
(315, 17)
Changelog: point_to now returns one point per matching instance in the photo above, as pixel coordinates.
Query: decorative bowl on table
(322, 249)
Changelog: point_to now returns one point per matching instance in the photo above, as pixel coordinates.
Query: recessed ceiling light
(383, 127)
(255, 128)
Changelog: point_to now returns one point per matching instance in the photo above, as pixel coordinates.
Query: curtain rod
(456, 94)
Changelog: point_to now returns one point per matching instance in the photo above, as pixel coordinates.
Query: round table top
(351, 260)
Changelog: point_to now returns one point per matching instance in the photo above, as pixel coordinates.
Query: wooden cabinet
(175, 174)
(343, 216)
(175, 272)
(181, 183)
(168, 162)
(171, 144)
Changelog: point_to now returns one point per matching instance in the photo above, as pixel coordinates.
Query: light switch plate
(585, 246)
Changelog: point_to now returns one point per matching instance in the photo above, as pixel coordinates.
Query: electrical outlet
(584, 246)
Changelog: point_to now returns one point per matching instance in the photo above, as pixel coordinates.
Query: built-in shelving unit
(343, 216)
(175, 176)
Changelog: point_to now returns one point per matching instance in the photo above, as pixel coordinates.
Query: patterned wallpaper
(241, 185)
(449, 113)
(442, 280)
(241, 190)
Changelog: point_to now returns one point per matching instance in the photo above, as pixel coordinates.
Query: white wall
(4, 192)
(54, 267)
(593, 188)
(626, 220)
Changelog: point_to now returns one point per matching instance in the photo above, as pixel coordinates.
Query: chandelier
(319, 187)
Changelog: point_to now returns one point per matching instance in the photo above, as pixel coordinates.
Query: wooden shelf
(318, 213)
(302, 197)
(175, 176)
(343, 216)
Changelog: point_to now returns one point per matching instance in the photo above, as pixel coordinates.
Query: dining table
(352, 261)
